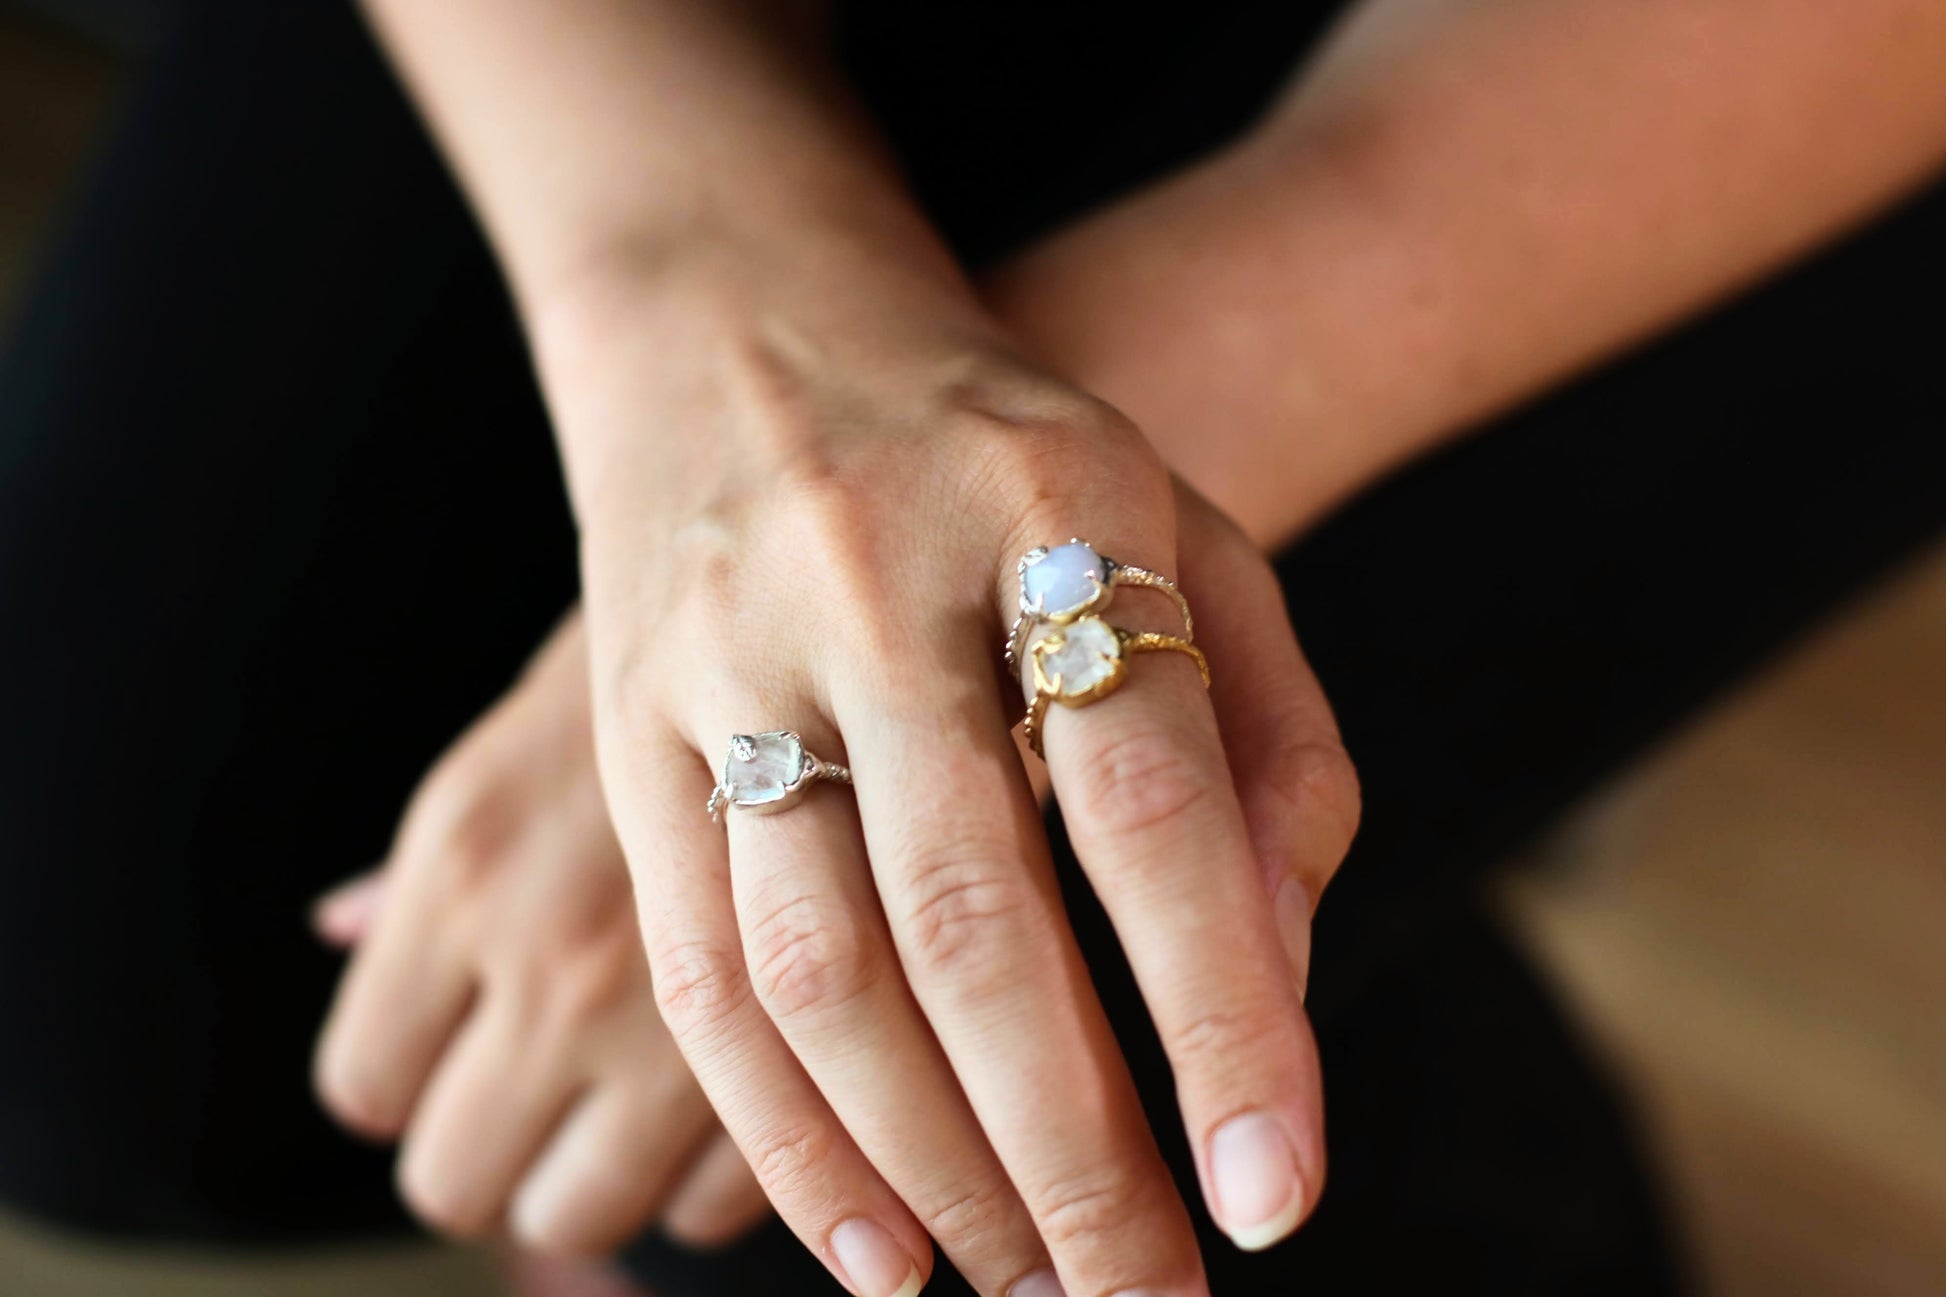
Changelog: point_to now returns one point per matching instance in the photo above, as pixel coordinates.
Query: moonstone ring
(1071, 580)
(1085, 661)
(769, 772)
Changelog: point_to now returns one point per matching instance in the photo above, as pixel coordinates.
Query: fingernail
(1293, 910)
(1041, 1283)
(1038, 1284)
(1253, 1172)
(342, 914)
(873, 1262)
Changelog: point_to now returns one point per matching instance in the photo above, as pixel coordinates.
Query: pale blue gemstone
(1065, 579)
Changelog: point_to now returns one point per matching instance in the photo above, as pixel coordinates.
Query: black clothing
(279, 516)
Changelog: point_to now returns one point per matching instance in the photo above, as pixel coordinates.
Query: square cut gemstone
(763, 767)
(1064, 581)
(1082, 656)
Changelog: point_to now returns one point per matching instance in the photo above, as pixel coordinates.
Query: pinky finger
(1296, 785)
(607, 1169)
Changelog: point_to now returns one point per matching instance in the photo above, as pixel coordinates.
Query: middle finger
(822, 965)
(962, 864)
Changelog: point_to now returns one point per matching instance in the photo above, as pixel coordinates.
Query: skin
(879, 995)
(497, 1016)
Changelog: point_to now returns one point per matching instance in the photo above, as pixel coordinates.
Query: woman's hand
(498, 1012)
(802, 511)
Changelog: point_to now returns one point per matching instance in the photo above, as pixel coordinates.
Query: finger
(528, 1274)
(343, 915)
(612, 1163)
(488, 1110)
(1152, 812)
(396, 1009)
(822, 1185)
(718, 1201)
(1297, 786)
(961, 862)
(823, 966)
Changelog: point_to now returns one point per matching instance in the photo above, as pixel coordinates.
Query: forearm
(1462, 202)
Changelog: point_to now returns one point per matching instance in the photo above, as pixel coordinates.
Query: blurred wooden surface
(53, 95)
(1753, 924)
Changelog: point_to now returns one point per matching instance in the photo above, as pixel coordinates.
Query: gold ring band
(1085, 661)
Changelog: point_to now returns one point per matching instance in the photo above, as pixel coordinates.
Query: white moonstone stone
(774, 761)
(1081, 655)
(1065, 579)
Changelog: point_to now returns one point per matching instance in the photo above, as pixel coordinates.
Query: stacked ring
(1085, 661)
(1068, 581)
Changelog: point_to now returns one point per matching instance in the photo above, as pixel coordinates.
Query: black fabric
(279, 515)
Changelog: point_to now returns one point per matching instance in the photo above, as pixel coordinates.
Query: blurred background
(1749, 923)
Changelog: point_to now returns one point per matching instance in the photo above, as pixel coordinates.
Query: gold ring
(1085, 661)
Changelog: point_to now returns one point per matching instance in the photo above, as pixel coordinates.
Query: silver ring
(1069, 581)
(768, 772)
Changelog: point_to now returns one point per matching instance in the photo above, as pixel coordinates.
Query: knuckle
(700, 988)
(809, 958)
(976, 1213)
(1138, 778)
(793, 1161)
(1325, 774)
(590, 977)
(355, 1095)
(592, 1226)
(1213, 1041)
(440, 1200)
(1315, 783)
(1090, 1209)
(459, 827)
(962, 906)
(1020, 447)
(636, 677)
(821, 503)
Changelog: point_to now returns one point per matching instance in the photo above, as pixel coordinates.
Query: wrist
(659, 366)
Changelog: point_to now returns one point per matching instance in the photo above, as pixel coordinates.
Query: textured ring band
(1072, 580)
(769, 772)
(1085, 661)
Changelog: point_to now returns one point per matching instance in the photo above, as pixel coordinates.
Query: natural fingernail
(1253, 1170)
(342, 914)
(1041, 1283)
(1293, 910)
(873, 1260)
(536, 1205)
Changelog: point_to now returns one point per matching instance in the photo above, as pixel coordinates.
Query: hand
(498, 1012)
(804, 513)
